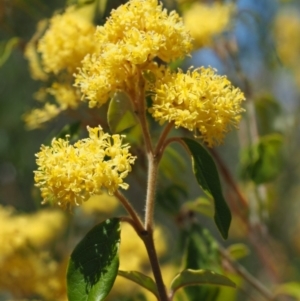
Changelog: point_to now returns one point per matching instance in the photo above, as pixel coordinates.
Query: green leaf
(202, 252)
(263, 161)
(167, 166)
(174, 65)
(201, 205)
(238, 251)
(149, 76)
(120, 115)
(169, 197)
(70, 129)
(94, 263)
(6, 48)
(291, 289)
(268, 112)
(208, 178)
(140, 279)
(199, 277)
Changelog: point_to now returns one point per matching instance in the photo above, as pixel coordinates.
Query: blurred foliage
(262, 159)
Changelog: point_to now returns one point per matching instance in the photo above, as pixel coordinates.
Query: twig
(147, 238)
(135, 218)
(247, 276)
(151, 188)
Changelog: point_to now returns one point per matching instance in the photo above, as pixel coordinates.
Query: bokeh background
(259, 51)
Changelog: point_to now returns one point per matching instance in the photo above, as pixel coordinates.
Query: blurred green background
(268, 174)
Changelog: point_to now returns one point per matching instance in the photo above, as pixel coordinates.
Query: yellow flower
(25, 273)
(102, 74)
(287, 28)
(69, 174)
(65, 95)
(206, 21)
(18, 231)
(103, 203)
(199, 100)
(31, 54)
(66, 42)
(144, 30)
(24, 266)
(37, 117)
(134, 34)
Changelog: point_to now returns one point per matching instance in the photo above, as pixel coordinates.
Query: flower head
(32, 56)
(200, 101)
(65, 95)
(144, 30)
(24, 264)
(134, 34)
(287, 28)
(66, 42)
(205, 21)
(37, 117)
(69, 174)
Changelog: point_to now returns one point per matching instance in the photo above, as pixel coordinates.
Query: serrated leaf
(141, 279)
(120, 115)
(94, 263)
(238, 251)
(207, 177)
(199, 277)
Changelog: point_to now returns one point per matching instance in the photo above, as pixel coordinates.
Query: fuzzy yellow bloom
(31, 274)
(144, 30)
(37, 117)
(32, 56)
(69, 174)
(206, 21)
(65, 95)
(134, 34)
(103, 204)
(199, 100)
(24, 266)
(18, 231)
(66, 42)
(287, 29)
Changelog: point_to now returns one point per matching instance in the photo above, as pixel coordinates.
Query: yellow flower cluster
(19, 231)
(32, 56)
(134, 34)
(37, 117)
(66, 42)
(66, 96)
(69, 174)
(62, 47)
(200, 101)
(100, 204)
(287, 28)
(25, 267)
(206, 21)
